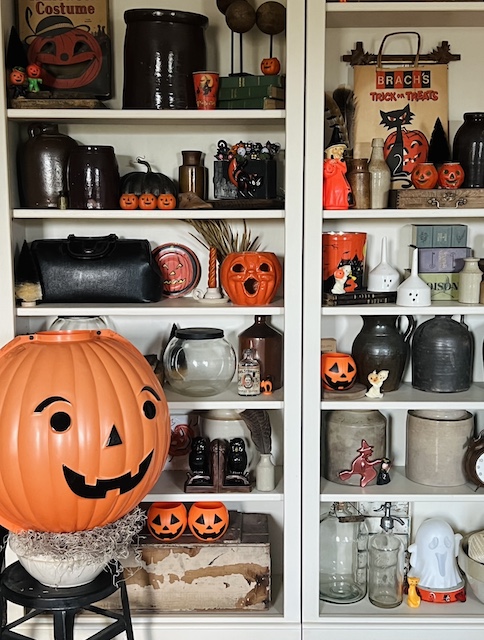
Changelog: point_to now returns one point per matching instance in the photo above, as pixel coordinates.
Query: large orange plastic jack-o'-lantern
(167, 520)
(338, 371)
(84, 430)
(208, 521)
(251, 277)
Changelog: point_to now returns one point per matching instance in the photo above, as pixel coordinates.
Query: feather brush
(345, 99)
(259, 425)
(334, 121)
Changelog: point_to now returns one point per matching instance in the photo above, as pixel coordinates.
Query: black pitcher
(381, 344)
(442, 355)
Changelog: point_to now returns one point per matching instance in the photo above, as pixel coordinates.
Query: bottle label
(248, 381)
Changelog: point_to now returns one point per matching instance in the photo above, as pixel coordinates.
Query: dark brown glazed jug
(381, 344)
(162, 48)
(42, 166)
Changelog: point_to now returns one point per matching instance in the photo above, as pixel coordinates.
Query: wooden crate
(437, 199)
(188, 575)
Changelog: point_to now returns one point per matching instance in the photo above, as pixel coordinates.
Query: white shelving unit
(332, 31)
(160, 136)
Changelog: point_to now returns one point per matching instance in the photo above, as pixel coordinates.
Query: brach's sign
(410, 79)
(70, 42)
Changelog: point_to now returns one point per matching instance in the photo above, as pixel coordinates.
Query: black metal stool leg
(126, 610)
(64, 624)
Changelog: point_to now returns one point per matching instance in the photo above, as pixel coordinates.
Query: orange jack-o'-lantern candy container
(424, 176)
(338, 371)
(84, 430)
(208, 521)
(167, 520)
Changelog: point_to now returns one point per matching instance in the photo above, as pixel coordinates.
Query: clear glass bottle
(386, 564)
(343, 551)
(380, 176)
(248, 374)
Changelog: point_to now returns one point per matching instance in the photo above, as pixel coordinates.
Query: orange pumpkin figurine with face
(424, 176)
(270, 66)
(251, 277)
(84, 430)
(208, 521)
(451, 175)
(167, 520)
(147, 201)
(166, 201)
(128, 201)
(338, 371)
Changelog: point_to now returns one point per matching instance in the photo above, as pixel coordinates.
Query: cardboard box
(81, 60)
(231, 574)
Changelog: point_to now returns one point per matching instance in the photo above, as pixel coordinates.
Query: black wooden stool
(20, 587)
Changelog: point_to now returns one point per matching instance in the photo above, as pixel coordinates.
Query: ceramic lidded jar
(442, 356)
(436, 444)
(162, 49)
(354, 444)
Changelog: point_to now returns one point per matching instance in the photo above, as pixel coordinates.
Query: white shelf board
(407, 397)
(422, 215)
(427, 613)
(404, 14)
(185, 306)
(170, 483)
(146, 117)
(228, 399)
(438, 308)
(398, 487)
(138, 214)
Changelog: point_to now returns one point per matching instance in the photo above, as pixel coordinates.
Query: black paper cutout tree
(439, 149)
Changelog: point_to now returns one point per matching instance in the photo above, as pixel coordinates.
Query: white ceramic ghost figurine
(376, 380)
(433, 560)
(341, 275)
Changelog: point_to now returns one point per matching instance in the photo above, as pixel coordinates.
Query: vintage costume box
(71, 43)
(232, 574)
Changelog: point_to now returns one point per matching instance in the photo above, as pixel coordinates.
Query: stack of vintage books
(252, 92)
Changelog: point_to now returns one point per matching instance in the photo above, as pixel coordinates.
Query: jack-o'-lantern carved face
(270, 66)
(69, 59)
(33, 71)
(424, 176)
(167, 520)
(166, 201)
(17, 76)
(128, 201)
(208, 521)
(180, 269)
(415, 148)
(84, 430)
(338, 371)
(251, 277)
(147, 201)
(451, 175)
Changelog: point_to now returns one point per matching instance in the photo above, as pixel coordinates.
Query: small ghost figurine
(376, 380)
(341, 275)
(433, 560)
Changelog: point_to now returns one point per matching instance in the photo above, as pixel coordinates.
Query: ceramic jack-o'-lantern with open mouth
(251, 277)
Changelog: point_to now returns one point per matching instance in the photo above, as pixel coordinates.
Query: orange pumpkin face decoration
(84, 430)
(251, 277)
(451, 175)
(208, 521)
(415, 148)
(17, 76)
(70, 58)
(166, 201)
(338, 371)
(180, 269)
(424, 176)
(167, 520)
(147, 201)
(270, 66)
(128, 201)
